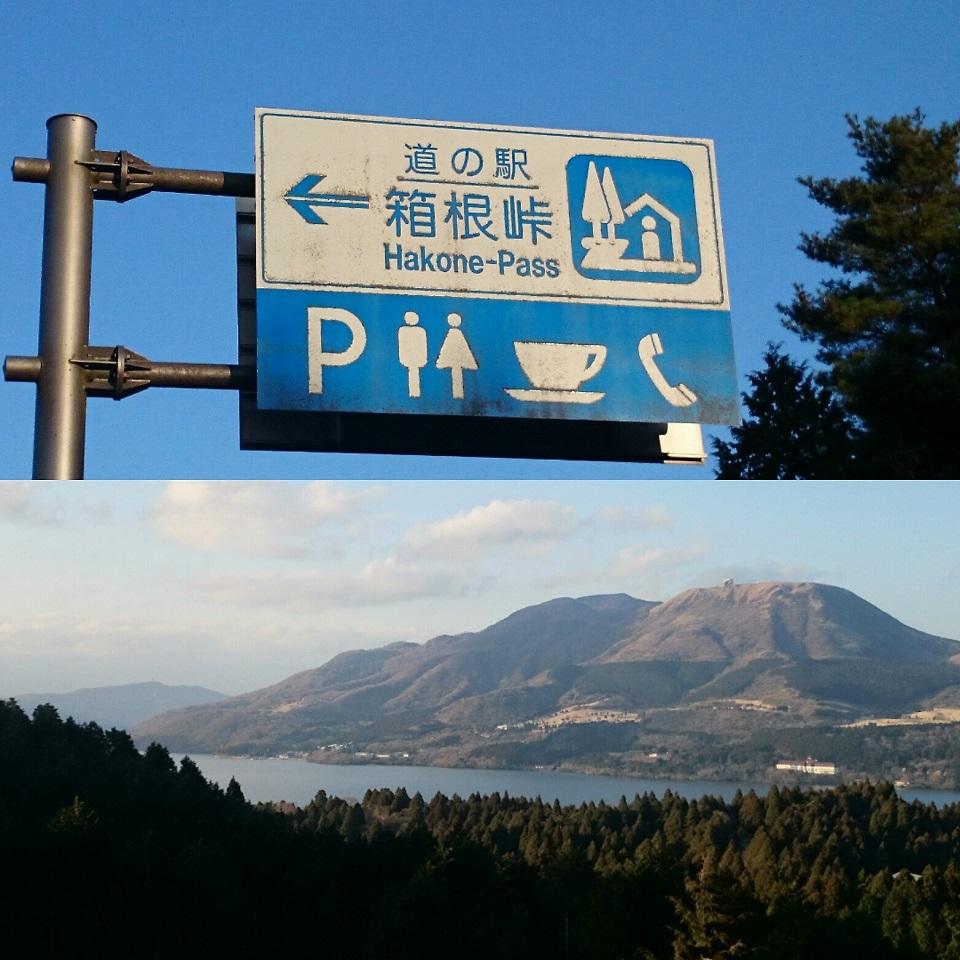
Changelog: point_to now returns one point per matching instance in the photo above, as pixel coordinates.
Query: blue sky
(177, 83)
(235, 586)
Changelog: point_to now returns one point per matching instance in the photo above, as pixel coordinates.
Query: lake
(298, 781)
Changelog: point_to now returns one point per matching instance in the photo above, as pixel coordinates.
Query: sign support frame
(67, 369)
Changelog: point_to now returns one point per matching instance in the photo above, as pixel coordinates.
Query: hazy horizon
(234, 586)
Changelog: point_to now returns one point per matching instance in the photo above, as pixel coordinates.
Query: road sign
(417, 267)
(437, 435)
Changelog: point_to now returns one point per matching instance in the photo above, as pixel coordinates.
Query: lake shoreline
(587, 770)
(296, 780)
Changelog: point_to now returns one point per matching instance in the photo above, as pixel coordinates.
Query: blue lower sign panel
(414, 267)
(458, 356)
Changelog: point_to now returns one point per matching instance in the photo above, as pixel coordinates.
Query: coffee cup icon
(559, 366)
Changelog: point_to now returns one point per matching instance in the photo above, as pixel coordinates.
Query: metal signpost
(470, 272)
(420, 287)
(67, 369)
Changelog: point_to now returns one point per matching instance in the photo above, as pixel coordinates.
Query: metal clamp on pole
(118, 372)
(121, 176)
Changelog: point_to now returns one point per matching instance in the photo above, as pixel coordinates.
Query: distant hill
(599, 677)
(122, 706)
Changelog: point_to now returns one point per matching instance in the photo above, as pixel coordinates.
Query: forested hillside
(109, 852)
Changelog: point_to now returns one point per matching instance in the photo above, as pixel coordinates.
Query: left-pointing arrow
(305, 200)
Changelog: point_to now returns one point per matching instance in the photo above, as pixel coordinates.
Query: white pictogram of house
(606, 251)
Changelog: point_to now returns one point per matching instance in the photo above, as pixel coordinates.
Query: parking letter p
(317, 357)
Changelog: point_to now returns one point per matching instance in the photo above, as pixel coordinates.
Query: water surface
(298, 781)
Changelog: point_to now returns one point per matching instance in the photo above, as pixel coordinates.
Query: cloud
(384, 581)
(81, 635)
(276, 519)
(135, 641)
(643, 571)
(636, 518)
(635, 561)
(529, 525)
(20, 503)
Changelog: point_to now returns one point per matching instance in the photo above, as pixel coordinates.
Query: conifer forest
(110, 852)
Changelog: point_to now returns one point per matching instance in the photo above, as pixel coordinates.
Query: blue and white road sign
(421, 267)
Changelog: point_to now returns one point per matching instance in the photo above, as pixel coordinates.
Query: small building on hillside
(809, 765)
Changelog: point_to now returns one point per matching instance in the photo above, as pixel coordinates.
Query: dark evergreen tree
(796, 429)
(234, 792)
(887, 328)
(718, 919)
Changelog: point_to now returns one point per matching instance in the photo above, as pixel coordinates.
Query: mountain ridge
(606, 672)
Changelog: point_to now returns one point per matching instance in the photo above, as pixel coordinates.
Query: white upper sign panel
(376, 205)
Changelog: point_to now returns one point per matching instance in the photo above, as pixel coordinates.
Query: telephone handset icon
(678, 396)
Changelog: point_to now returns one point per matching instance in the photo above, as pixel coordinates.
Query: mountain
(607, 678)
(121, 706)
(406, 682)
(807, 646)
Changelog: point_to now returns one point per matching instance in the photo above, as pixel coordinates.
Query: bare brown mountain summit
(773, 619)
